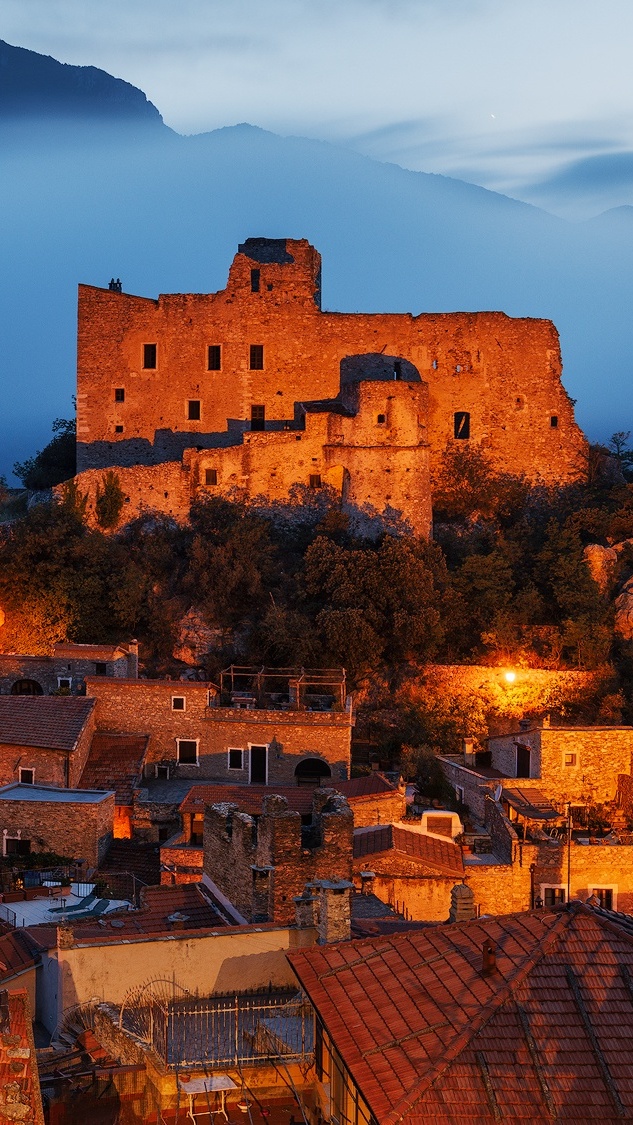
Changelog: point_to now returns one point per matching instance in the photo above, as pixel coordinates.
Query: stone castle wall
(502, 373)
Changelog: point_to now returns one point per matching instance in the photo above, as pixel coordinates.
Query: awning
(531, 803)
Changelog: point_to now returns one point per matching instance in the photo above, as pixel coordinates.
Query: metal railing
(220, 1032)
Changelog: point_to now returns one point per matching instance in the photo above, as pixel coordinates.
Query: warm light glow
(510, 677)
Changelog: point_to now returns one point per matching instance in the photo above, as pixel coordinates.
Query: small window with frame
(214, 357)
(236, 759)
(187, 751)
(64, 683)
(178, 703)
(149, 357)
(553, 896)
(27, 776)
(256, 357)
(570, 759)
(193, 410)
(607, 896)
(211, 476)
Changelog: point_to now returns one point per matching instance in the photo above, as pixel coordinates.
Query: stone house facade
(261, 864)
(74, 823)
(45, 740)
(256, 387)
(66, 669)
(192, 737)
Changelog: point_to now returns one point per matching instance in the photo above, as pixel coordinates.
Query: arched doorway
(311, 771)
(26, 687)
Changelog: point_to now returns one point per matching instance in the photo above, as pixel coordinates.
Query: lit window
(236, 759)
(193, 410)
(187, 751)
(214, 357)
(149, 357)
(257, 357)
(210, 476)
(178, 703)
(119, 394)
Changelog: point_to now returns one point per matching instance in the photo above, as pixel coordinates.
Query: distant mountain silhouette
(37, 86)
(165, 213)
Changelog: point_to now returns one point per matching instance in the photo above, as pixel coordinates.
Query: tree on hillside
(55, 463)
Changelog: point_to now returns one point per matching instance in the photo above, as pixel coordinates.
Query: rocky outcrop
(602, 563)
(623, 626)
(195, 638)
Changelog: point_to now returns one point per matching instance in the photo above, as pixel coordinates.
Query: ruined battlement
(203, 372)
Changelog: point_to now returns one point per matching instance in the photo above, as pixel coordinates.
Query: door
(523, 761)
(259, 765)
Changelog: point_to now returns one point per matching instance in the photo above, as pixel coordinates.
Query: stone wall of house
(51, 767)
(625, 794)
(591, 866)
(77, 830)
(505, 373)
(380, 808)
(572, 764)
(146, 707)
(47, 671)
(261, 865)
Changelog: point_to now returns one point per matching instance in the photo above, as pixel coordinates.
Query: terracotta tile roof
(250, 798)
(20, 1098)
(369, 786)
(115, 761)
(158, 904)
(98, 653)
(442, 855)
(51, 722)
(430, 1040)
(16, 955)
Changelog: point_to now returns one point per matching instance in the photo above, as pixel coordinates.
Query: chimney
(462, 903)
(65, 936)
(524, 724)
(546, 720)
(468, 747)
(177, 920)
(307, 908)
(367, 882)
(488, 958)
(132, 660)
(335, 909)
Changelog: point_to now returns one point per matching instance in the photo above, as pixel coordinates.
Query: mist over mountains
(94, 185)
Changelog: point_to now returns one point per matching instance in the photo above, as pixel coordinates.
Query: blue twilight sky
(532, 98)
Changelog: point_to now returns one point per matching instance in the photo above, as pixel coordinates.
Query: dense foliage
(53, 464)
(298, 583)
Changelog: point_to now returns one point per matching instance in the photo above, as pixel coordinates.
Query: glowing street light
(510, 677)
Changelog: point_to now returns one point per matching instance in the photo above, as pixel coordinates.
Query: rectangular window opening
(118, 429)
(27, 776)
(119, 394)
(236, 759)
(149, 357)
(604, 896)
(258, 418)
(315, 480)
(178, 703)
(193, 410)
(257, 357)
(570, 758)
(461, 425)
(554, 421)
(214, 357)
(187, 751)
(17, 847)
(101, 668)
(210, 476)
(381, 419)
(255, 280)
(554, 896)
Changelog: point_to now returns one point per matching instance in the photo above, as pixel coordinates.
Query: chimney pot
(488, 958)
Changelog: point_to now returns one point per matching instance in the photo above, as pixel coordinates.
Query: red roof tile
(370, 785)
(250, 798)
(428, 1038)
(20, 1098)
(442, 855)
(15, 955)
(90, 652)
(51, 722)
(158, 905)
(114, 762)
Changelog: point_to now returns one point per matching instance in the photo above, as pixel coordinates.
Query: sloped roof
(52, 722)
(370, 785)
(16, 955)
(430, 1040)
(250, 798)
(21, 1085)
(98, 653)
(114, 762)
(442, 855)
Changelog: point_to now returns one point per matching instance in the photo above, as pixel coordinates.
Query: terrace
(250, 688)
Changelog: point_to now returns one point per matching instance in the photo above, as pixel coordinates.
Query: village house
(256, 389)
(74, 823)
(65, 671)
(527, 1016)
(45, 740)
(277, 728)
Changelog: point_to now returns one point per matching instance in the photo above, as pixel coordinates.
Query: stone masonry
(75, 824)
(256, 387)
(261, 864)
